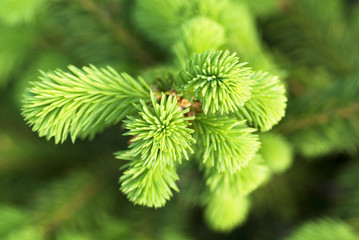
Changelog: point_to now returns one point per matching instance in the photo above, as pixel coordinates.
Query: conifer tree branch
(348, 112)
(119, 31)
(78, 201)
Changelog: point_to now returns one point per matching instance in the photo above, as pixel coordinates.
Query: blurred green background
(70, 191)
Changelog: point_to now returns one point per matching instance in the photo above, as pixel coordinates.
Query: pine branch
(119, 31)
(327, 121)
(347, 112)
(74, 204)
(73, 200)
(82, 103)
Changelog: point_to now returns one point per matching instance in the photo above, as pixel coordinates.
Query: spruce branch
(320, 123)
(71, 200)
(148, 186)
(218, 80)
(267, 103)
(350, 112)
(224, 143)
(80, 103)
(82, 197)
(162, 136)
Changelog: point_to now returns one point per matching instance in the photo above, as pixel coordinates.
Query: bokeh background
(70, 191)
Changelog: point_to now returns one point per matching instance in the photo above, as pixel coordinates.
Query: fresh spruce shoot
(206, 106)
(216, 106)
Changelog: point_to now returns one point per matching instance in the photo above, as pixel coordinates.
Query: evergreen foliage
(161, 135)
(267, 104)
(276, 151)
(82, 103)
(218, 80)
(323, 229)
(167, 83)
(327, 118)
(240, 183)
(224, 213)
(225, 143)
(192, 39)
(147, 185)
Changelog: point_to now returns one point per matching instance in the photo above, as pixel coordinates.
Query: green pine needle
(146, 186)
(218, 80)
(80, 103)
(225, 143)
(268, 102)
(162, 135)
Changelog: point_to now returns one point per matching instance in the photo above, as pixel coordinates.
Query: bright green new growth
(218, 80)
(225, 143)
(276, 151)
(148, 186)
(225, 213)
(184, 109)
(328, 229)
(193, 39)
(267, 104)
(80, 103)
(161, 135)
(239, 183)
